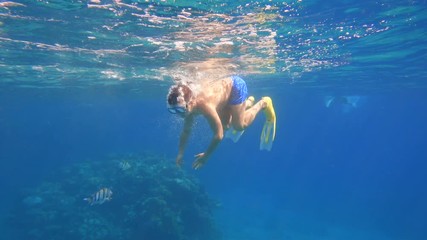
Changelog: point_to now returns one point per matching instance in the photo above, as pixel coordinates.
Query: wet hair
(179, 91)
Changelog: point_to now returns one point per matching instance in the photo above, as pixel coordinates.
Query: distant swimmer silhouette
(341, 100)
(226, 106)
(344, 104)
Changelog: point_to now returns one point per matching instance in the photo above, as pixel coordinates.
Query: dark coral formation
(152, 199)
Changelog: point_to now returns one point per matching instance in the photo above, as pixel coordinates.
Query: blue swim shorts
(239, 91)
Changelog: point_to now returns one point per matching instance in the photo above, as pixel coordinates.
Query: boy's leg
(242, 117)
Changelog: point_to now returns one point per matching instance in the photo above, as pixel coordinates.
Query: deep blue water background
(79, 83)
(363, 170)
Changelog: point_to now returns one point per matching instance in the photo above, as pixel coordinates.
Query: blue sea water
(80, 80)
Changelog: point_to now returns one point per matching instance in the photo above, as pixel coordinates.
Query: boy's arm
(216, 125)
(188, 123)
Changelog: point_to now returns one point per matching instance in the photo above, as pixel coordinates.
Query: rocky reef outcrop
(152, 199)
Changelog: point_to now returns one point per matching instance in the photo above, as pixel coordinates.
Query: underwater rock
(153, 199)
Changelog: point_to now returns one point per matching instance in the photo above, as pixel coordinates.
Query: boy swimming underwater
(226, 106)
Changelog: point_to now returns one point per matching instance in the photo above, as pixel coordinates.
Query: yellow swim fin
(269, 130)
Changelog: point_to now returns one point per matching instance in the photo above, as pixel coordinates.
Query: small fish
(124, 165)
(100, 197)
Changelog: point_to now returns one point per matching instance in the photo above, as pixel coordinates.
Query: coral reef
(152, 199)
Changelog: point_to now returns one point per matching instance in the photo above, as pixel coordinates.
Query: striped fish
(124, 165)
(100, 197)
